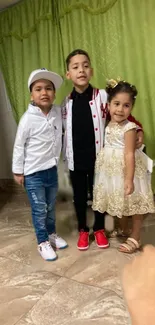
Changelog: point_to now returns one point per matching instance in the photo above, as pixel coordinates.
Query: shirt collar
(88, 93)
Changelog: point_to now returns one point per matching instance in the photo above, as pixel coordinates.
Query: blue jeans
(42, 188)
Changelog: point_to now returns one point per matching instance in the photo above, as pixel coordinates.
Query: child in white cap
(36, 153)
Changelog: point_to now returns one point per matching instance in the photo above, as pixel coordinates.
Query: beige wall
(7, 132)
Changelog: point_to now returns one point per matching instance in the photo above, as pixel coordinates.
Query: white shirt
(38, 141)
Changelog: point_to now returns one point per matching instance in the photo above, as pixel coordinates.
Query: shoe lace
(46, 245)
(100, 232)
(56, 236)
(83, 234)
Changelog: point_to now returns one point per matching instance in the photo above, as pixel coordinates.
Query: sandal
(130, 246)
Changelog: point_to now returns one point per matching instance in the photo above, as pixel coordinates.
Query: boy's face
(79, 71)
(43, 93)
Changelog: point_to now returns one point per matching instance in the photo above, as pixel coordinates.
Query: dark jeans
(42, 189)
(80, 180)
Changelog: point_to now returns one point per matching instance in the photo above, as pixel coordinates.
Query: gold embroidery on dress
(115, 204)
(111, 167)
(109, 177)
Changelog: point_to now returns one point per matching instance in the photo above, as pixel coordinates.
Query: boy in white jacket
(84, 114)
(36, 153)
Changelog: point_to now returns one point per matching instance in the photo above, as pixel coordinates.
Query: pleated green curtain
(118, 34)
(29, 39)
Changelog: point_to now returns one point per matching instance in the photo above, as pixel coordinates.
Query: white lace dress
(109, 177)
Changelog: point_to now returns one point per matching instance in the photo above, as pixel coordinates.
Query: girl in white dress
(122, 182)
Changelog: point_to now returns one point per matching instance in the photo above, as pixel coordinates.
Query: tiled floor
(80, 288)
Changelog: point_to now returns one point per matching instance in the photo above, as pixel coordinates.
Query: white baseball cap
(45, 74)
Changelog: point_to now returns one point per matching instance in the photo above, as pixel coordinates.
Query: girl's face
(120, 107)
(43, 93)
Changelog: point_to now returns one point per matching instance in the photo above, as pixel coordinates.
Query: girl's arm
(129, 156)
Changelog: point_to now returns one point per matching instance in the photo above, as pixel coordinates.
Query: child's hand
(19, 179)
(139, 139)
(128, 187)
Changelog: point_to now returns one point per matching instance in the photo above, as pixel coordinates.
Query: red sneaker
(101, 239)
(83, 241)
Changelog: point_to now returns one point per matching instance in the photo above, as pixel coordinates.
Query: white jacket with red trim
(98, 106)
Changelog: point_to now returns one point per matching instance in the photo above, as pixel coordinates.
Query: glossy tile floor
(80, 288)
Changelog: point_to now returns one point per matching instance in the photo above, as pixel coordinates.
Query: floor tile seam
(88, 284)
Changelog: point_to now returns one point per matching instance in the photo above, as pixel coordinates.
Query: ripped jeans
(42, 190)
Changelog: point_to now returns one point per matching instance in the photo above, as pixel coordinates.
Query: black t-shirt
(83, 130)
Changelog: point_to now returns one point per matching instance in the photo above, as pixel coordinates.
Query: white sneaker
(46, 251)
(57, 242)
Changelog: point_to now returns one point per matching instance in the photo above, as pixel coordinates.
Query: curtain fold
(21, 20)
(92, 7)
(118, 34)
(29, 39)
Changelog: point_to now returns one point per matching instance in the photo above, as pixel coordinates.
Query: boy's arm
(140, 132)
(18, 150)
(63, 114)
(139, 125)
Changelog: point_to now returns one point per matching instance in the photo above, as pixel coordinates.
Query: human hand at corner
(138, 281)
(19, 179)
(139, 139)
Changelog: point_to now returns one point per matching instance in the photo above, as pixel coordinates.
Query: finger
(149, 250)
(149, 247)
(20, 181)
(127, 276)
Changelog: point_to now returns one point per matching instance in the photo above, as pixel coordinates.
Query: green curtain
(118, 34)
(28, 31)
